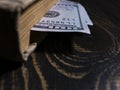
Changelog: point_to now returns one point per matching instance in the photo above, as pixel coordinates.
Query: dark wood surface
(73, 61)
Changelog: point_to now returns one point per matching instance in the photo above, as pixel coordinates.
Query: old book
(16, 19)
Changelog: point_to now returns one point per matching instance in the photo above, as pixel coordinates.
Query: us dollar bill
(64, 16)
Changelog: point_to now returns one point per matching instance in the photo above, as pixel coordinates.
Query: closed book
(17, 17)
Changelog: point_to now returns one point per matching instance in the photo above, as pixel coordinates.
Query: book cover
(16, 19)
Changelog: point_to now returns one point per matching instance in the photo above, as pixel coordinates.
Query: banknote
(64, 16)
(85, 15)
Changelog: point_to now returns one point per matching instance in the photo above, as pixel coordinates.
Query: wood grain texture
(73, 61)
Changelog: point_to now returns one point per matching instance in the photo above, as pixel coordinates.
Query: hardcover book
(17, 17)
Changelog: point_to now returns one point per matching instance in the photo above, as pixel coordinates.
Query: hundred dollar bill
(85, 15)
(65, 16)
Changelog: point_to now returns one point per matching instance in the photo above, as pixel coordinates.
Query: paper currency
(65, 16)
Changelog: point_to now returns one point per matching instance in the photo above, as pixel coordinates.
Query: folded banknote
(65, 16)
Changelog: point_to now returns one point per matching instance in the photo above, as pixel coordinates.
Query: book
(17, 17)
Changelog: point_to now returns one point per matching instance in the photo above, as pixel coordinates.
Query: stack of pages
(65, 16)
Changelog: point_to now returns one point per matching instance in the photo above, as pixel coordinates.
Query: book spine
(9, 38)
